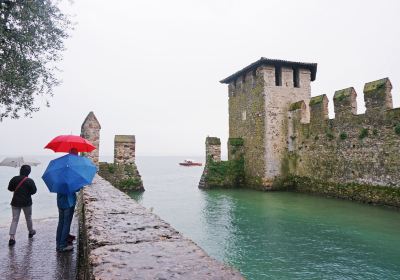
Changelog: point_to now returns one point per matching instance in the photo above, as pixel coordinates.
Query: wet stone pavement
(36, 258)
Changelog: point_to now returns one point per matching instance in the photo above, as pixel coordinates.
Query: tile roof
(274, 62)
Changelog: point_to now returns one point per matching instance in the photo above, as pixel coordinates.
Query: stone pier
(121, 239)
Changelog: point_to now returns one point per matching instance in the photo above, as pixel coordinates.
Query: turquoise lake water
(265, 235)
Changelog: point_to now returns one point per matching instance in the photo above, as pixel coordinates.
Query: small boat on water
(189, 162)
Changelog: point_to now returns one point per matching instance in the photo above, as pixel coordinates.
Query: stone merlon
(124, 139)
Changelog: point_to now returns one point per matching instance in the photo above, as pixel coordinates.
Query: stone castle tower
(90, 130)
(259, 98)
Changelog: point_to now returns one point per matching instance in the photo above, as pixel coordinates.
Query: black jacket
(22, 197)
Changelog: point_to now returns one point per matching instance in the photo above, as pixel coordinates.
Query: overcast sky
(151, 68)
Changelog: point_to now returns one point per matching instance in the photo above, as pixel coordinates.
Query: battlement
(286, 133)
(349, 148)
(378, 103)
(378, 96)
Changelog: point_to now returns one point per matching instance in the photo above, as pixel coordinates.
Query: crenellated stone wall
(350, 152)
(120, 239)
(289, 142)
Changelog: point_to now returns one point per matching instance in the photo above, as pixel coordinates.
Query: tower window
(296, 82)
(278, 76)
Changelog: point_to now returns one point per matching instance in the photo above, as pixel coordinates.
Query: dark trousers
(64, 226)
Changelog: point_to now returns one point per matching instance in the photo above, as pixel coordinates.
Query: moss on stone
(397, 129)
(122, 176)
(363, 133)
(375, 85)
(316, 100)
(213, 141)
(129, 184)
(111, 168)
(236, 141)
(371, 194)
(124, 139)
(225, 174)
(343, 135)
(296, 106)
(340, 95)
(330, 136)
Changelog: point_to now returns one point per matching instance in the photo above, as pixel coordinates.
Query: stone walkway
(36, 258)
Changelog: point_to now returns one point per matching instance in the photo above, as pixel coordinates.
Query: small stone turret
(124, 149)
(213, 149)
(123, 173)
(223, 174)
(90, 130)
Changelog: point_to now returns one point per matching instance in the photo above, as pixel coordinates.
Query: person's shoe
(11, 242)
(66, 249)
(71, 237)
(32, 233)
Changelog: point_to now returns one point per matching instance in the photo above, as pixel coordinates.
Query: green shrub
(363, 133)
(330, 135)
(397, 129)
(130, 183)
(111, 168)
(236, 141)
(343, 135)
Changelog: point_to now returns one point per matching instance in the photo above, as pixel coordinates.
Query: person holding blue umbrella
(66, 206)
(66, 176)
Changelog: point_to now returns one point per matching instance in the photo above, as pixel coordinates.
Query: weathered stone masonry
(351, 156)
(219, 173)
(289, 140)
(259, 98)
(123, 173)
(90, 130)
(120, 239)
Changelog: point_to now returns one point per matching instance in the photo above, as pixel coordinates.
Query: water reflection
(289, 236)
(217, 222)
(19, 262)
(275, 235)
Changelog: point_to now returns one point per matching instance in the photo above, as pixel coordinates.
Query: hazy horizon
(152, 68)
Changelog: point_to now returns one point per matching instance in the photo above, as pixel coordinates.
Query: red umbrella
(64, 143)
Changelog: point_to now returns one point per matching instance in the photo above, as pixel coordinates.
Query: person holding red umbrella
(66, 198)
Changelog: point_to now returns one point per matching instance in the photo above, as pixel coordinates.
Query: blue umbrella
(69, 173)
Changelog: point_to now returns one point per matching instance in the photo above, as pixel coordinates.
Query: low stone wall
(370, 194)
(120, 239)
(125, 177)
